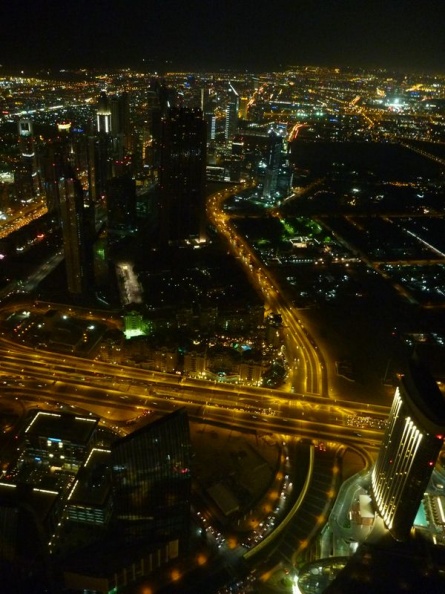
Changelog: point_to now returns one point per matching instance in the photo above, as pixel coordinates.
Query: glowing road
(122, 392)
(308, 371)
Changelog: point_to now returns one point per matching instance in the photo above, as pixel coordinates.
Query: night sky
(246, 34)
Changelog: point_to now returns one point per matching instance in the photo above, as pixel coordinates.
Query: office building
(113, 140)
(121, 134)
(231, 120)
(59, 440)
(152, 485)
(103, 114)
(120, 114)
(52, 158)
(27, 518)
(121, 204)
(89, 501)
(27, 177)
(211, 126)
(243, 108)
(273, 164)
(231, 123)
(412, 442)
(182, 176)
(77, 229)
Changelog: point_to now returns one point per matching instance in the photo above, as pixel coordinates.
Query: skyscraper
(120, 131)
(412, 442)
(232, 113)
(103, 114)
(27, 174)
(231, 122)
(77, 234)
(182, 175)
(152, 484)
(121, 204)
(274, 147)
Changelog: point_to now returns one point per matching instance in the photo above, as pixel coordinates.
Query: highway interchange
(121, 392)
(120, 395)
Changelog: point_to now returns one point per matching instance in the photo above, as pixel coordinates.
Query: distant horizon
(170, 66)
(250, 35)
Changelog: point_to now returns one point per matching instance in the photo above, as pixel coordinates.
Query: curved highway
(307, 366)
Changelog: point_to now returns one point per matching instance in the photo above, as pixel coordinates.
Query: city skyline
(282, 332)
(217, 34)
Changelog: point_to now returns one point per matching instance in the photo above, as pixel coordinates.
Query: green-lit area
(302, 226)
(135, 325)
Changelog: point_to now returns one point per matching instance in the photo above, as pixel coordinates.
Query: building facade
(77, 235)
(182, 157)
(152, 484)
(411, 445)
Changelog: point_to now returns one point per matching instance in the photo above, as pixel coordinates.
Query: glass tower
(182, 176)
(152, 483)
(76, 228)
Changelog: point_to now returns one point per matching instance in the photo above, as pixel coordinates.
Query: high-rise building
(243, 108)
(182, 176)
(120, 114)
(232, 113)
(77, 229)
(27, 174)
(152, 484)
(103, 114)
(211, 126)
(412, 442)
(121, 132)
(113, 137)
(26, 519)
(121, 204)
(231, 123)
(274, 147)
(52, 158)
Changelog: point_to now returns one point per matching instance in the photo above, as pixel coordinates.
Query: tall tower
(120, 130)
(27, 175)
(412, 442)
(182, 176)
(274, 148)
(152, 484)
(103, 114)
(231, 120)
(77, 232)
(232, 110)
(121, 204)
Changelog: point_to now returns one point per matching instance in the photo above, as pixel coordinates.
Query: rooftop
(62, 427)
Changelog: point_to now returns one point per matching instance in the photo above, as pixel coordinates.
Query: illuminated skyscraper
(274, 148)
(412, 442)
(27, 175)
(103, 114)
(231, 123)
(182, 176)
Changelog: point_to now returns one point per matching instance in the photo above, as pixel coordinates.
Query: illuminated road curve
(301, 346)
